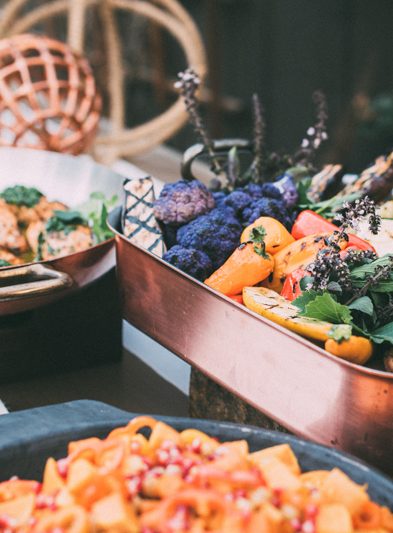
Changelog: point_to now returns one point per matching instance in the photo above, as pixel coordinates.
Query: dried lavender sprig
(188, 84)
(316, 134)
(259, 163)
(362, 208)
(329, 261)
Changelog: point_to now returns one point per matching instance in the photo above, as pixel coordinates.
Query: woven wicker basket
(168, 14)
(48, 97)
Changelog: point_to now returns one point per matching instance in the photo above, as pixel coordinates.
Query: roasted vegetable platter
(311, 392)
(286, 481)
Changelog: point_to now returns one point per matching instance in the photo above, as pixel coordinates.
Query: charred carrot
(244, 268)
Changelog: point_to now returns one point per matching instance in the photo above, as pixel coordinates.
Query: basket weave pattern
(48, 97)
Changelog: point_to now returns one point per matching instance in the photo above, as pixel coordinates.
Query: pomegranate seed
(62, 467)
(276, 501)
(7, 522)
(296, 524)
(58, 529)
(167, 444)
(37, 487)
(162, 457)
(241, 493)
(311, 510)
(308, 526)
(135, 447)
(40, 502)
(134, 486)
(196, 445)
(147, 461)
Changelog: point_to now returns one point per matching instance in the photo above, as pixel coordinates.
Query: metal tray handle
(31, 281)
(220, 146)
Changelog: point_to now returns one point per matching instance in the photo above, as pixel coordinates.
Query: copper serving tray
(301, 386)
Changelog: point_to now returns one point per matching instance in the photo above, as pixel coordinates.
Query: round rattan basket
(48, 97)
(168, 14)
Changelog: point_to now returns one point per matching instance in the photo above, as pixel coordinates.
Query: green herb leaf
(303, 199)
(363, 304)
(95, 210)
(302, 301)
(257, 234)
(325, 307)
(305, 282)
(340, 332)
(20, 195)
(359, 273)
(385, 333)
(4, 263)
(70, 217)
(334, 287)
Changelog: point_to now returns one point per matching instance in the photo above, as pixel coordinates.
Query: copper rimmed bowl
(312, 393)
(70, 180)
(28, 438)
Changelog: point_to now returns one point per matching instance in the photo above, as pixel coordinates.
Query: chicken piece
(10, 236)
(41, 211)
(5, 255)
(32, 233)
(64, 242)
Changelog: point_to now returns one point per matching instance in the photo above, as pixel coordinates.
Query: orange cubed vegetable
(80, 474)
(338, 488)
(279, 476)
(52, 479)
(20, 508)
(114, 513)
(333, 518)
(283, 452)
(163, 432)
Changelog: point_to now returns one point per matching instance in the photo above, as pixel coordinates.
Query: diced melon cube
(333, 518)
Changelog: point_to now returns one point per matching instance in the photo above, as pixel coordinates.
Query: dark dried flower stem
(188, 84)
(258, 165)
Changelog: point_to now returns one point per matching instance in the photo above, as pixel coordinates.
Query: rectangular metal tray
(301, 386)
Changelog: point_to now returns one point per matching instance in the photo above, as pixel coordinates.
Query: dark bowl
(28, 438)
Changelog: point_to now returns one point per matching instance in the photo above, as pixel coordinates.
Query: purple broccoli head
(268, 207)
(192, 262)
(216, 234)
(183, 201)
(238, 200)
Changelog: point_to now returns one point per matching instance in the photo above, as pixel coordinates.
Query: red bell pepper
(310, 223)
(291, 288)
(237, 298)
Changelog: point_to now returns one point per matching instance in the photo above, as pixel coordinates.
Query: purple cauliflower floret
(268, 207)
(287, 188)
(254, 190)
(192, 262)
(216, 234)
(169, 233)
(218, 196)
(269, 190)
(238, 200)
(183, 201)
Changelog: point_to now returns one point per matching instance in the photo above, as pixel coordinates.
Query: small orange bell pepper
(244, 268)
